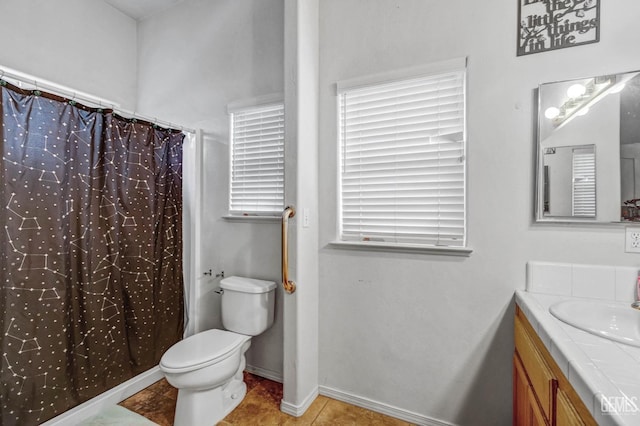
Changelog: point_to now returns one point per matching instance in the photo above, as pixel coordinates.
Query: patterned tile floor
(261, 406)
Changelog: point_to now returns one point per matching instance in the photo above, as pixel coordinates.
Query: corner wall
(432, 335)
(301, 191)
(194, 60)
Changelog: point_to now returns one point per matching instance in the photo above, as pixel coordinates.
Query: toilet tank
(247, 305)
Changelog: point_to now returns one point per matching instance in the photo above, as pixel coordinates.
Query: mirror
(588, 165)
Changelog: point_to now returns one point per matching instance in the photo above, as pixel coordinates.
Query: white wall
(433, 334)
(301, 191)
(85, 45)
(195, 59)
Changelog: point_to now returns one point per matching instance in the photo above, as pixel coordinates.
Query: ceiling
(140, 9)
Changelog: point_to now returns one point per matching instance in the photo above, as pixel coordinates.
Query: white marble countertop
(600, 370)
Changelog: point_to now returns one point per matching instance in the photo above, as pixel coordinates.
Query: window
(257, 161)
(584, 182)
(402, 155)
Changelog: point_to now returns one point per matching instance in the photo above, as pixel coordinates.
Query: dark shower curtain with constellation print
(91, 251)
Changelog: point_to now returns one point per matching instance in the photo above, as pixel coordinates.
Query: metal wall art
(555, 24)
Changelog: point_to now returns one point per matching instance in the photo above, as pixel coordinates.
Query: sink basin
(613, 321)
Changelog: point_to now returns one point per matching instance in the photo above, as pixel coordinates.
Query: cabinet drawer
(538, 372)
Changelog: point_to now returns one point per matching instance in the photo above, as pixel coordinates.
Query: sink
(614, 321)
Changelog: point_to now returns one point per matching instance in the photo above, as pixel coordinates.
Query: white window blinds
(584, 182)
(403, 161)
(257, 161)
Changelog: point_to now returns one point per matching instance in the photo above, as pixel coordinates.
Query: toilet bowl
(207, 367)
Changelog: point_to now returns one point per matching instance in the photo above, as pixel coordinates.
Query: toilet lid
(201, 349)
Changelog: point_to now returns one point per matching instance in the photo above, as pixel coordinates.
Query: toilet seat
(201, 350)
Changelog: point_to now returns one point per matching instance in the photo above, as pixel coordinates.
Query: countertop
(600, 370)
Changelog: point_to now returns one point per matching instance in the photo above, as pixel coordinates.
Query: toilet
(207, 367)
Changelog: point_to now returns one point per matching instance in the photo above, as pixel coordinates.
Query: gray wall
(85, 45)
(433, 334)
(194, 60)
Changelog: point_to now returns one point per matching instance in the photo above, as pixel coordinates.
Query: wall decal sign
(554, 24)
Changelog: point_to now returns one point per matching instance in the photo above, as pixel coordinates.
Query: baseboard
(369, 404)
(299, 410)
(380, 407)
(262, 372)
(111, 397)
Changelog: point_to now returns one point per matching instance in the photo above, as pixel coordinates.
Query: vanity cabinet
(542, 395)
(566, 414)
(526, 410)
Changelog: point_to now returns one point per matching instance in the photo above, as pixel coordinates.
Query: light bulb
(551, 113)
(582, 111)
(576, 90)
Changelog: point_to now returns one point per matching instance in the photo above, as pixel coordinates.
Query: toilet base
(208, 407)
(201, 405)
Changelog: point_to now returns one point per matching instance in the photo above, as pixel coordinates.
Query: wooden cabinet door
(526, 411)
(566, 414)
(535, 413)
(520, 394)
(540, 375)
(542, 394)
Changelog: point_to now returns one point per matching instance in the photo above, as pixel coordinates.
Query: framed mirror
(588, 150)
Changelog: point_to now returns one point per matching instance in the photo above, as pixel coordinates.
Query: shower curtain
(91, 251)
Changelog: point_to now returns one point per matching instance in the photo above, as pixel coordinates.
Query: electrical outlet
(632, 240)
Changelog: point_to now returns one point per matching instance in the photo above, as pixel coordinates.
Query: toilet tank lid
(247, 285)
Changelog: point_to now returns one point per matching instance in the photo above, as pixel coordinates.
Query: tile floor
(261, 406)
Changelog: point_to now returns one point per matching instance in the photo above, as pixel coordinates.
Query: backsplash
(617, 283)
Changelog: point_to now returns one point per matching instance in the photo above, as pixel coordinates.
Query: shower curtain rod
(39, 83)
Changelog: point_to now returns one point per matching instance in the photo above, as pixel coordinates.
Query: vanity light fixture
(551, 113)
(582, 111)
(617, 88)
(576, 91)
(581, 97)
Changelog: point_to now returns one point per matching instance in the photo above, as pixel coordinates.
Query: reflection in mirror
(570, 181)
(589, 150)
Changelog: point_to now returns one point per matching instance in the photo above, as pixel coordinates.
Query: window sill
(402, 248)
(255, 219)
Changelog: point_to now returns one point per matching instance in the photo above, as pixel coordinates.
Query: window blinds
(257, 161)
(403, 161)
(584, 182)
